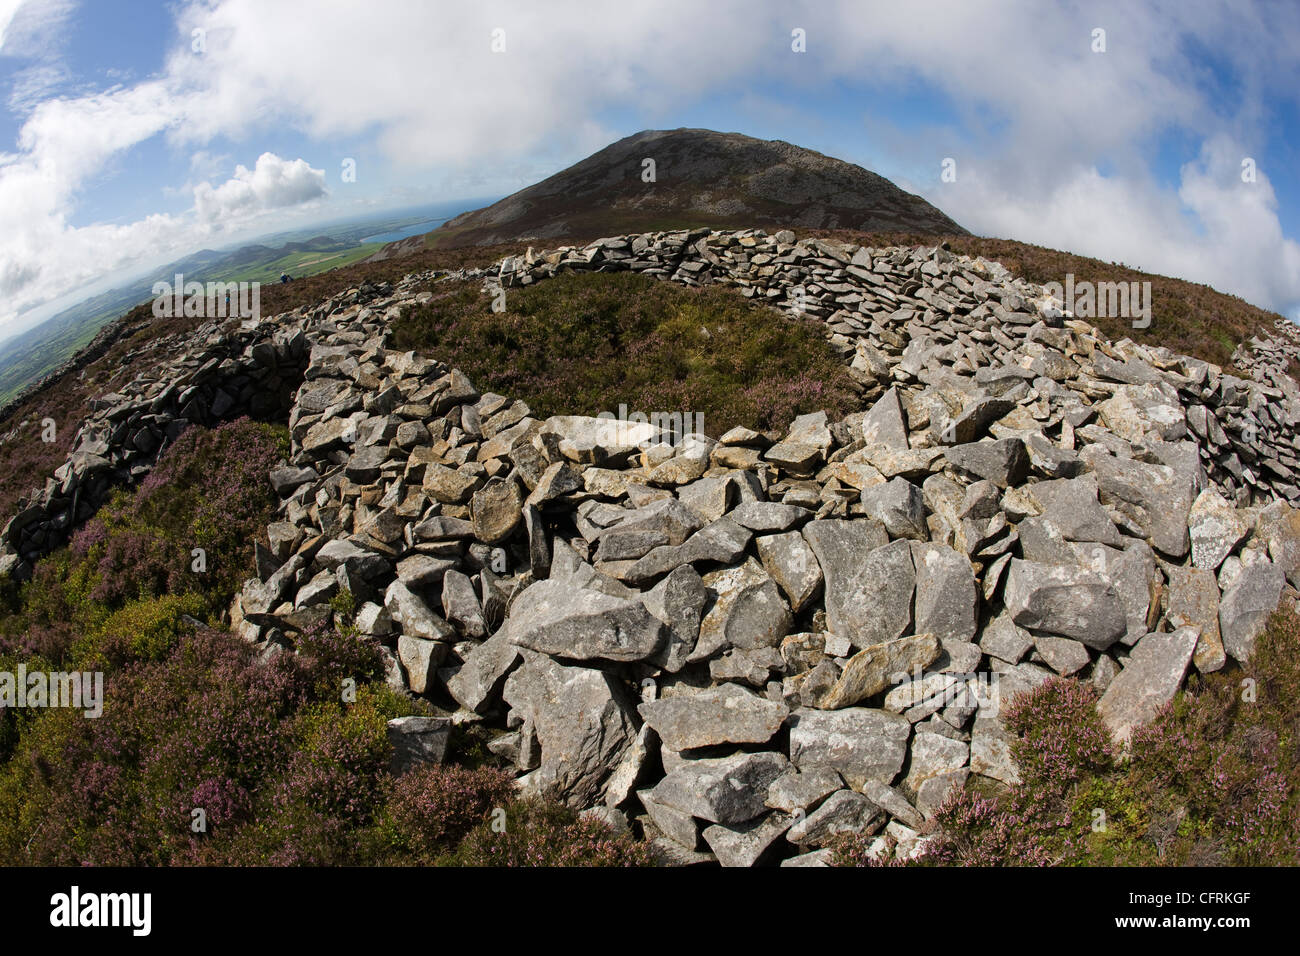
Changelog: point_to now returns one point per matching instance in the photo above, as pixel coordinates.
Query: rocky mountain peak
(700, 178)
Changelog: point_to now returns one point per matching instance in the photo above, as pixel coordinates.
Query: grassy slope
(295, 264)
(587, 343)
(28, 363)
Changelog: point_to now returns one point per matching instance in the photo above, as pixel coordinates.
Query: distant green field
(27, 360)
(28, 364)
(295, 264)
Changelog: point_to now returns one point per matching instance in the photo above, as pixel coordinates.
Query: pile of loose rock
(903, 316)
(1270, 359)
(219, 371)
(744, 646)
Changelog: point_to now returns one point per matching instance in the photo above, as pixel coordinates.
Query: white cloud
(1039, 114)
(43, 258)
(37, 83)
(8, 10)
(1044, 114)
(32, 29)
(271, 184)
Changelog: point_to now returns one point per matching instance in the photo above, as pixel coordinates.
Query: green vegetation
(1214, 780)
(296, 264)
(541, 833)
(205, 753)
(586, 343)
(29, 356)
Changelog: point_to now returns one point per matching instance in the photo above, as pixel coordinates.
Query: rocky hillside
(742, 648)
(702, 178)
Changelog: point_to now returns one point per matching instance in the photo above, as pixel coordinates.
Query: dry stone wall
(746, 645)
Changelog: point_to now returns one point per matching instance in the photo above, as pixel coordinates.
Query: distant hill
(702, 178)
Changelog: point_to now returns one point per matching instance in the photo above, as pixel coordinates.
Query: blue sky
(122, 146)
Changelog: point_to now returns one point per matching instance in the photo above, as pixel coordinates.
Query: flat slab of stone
(868, 585)
(557, 618)
(588, 440)
(720, 542)
(747, 611)
(842, 813)
(1194, 602)
(745, 845)
(859, 743)
(1003, 461)
(582, 719)
(883, 424)
(1067, 601)
(765, 517)
(719, 715)
(1247, 605)
(414, 616)
(418, 741)
(947, 603)
(899, 506)
(1072, 506)
(877, 668)
(1158, 498)
(727, 790)
(1149, 680)
(480, 678)
(1216, 528)
(793, 565)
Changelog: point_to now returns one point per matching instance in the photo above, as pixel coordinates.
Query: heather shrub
(122, 587)
(430, 810)
(1059, 736)
(209, 490)
(282, 776)
(205, 711)
(140, 630)
(331, 789)
(585, 343)
(1226, 757)
(333, 654)
(543, 833)
(139, 562)
(57, 598)
(977, 830)
(279, 764)
(344, 606)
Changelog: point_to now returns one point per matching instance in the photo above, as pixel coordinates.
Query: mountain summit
(701, 178)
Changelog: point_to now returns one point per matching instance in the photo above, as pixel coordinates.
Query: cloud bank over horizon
(1134, 154)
